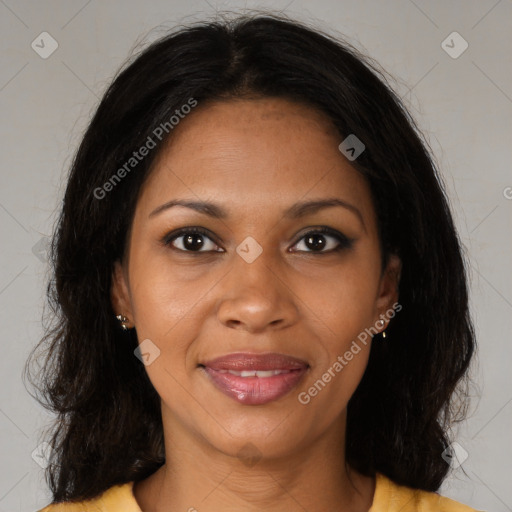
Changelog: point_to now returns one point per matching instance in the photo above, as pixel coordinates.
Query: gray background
(463, 105)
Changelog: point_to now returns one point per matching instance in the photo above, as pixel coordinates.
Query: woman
(261, 297)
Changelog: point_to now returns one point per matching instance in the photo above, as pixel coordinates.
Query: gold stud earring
(123, 321)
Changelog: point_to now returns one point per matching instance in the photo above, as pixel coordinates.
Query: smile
(255, 379)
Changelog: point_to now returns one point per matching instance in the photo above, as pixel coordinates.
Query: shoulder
(118, 498)
(391, 497)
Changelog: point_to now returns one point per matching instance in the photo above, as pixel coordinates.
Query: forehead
(257, 153)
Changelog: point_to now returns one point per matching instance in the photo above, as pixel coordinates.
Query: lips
(258, 362)
(255, 379)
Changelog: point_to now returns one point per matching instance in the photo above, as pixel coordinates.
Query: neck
(199, 477)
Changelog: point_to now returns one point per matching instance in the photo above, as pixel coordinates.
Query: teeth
(255, 373)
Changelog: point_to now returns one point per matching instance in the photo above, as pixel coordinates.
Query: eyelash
(344, 242)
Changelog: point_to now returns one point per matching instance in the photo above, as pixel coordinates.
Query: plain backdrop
(461, 101)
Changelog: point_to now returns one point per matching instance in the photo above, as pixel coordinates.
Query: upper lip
(259, 362)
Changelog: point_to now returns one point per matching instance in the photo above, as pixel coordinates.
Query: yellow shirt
(388, 497)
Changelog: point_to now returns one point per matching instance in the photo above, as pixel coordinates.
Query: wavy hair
(108, 426)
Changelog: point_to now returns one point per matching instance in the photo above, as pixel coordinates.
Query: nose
(256, 296)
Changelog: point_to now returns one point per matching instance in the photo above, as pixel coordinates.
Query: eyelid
(344, 242)
(168, 238)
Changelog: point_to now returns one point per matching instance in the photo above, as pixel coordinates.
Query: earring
(382, 324)
(123, 321)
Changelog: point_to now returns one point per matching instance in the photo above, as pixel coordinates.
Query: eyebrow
(296, 211)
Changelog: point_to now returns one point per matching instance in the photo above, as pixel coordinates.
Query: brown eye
(192, 239)
(324, 240)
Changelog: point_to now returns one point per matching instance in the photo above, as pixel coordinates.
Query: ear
(120, 292)
(388, 290)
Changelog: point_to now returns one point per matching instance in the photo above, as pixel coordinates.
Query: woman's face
(261, 281)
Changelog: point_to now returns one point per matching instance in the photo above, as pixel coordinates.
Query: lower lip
(255, 390)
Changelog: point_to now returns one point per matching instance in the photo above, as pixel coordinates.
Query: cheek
(342, 352)
(341, 304)
(168, 311)
(165, 294)
(342, 296)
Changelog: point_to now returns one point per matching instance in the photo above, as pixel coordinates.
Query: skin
(255, 158)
